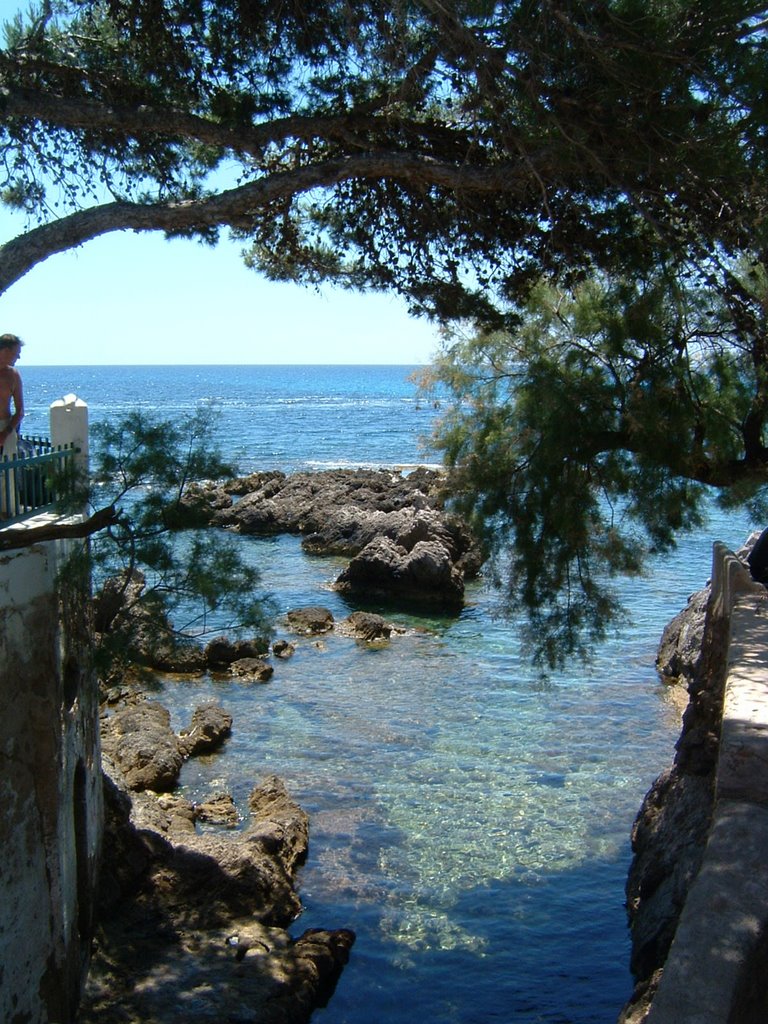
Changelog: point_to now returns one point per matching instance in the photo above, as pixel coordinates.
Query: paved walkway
(712, 975)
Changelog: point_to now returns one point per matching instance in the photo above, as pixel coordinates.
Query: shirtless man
(11, 393)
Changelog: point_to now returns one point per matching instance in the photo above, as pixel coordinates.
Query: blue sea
(469, 818)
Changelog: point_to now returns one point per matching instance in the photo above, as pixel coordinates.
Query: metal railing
(34, 479)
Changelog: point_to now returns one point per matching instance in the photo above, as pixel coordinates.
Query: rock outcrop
(670, 831)
(192, 923)
(139, 741)
(403, 544)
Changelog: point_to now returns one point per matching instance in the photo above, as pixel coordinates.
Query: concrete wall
(715, 970)
(50, 781)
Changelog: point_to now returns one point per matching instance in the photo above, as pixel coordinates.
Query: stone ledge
(742, 770)
(721, 922)
(709, 966)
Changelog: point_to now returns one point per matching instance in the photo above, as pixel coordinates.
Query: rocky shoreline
(671, 828)
(194, 909)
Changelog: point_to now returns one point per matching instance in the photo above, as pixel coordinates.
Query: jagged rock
(142, 745)
(303, 502)
(178, 814)
(278, 822)
(366, 626)
(283, 649)
(345, 511)
(423, 575)
(251, 670)
(200, 503)
(325, 953)
(218, 809)
(311, 620)
(197, 920)
(680, 648)
(209, 728)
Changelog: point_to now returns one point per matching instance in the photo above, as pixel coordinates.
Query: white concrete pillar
(69, 425)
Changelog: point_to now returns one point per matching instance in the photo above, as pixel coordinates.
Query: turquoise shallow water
(469, 819)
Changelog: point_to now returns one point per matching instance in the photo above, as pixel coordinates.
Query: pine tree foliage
(454, 150)
(585, 180)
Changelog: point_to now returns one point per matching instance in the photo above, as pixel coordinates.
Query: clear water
(469, 819)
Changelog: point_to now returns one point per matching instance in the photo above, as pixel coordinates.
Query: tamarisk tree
(590, 435)
(162, 576)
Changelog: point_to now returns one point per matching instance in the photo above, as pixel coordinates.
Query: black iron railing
(36, 478)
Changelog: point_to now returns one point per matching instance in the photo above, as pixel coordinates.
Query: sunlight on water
(455, 794)
(439, 769)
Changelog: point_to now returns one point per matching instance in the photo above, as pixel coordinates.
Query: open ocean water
(469, 819)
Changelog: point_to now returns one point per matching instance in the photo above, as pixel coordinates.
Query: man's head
(10, 349)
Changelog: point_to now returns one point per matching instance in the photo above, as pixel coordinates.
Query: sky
(127, 298)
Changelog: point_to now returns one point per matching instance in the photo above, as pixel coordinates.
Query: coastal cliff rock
(681, 642)
(670, 831)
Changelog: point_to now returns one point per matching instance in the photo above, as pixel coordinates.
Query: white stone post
(69, 425)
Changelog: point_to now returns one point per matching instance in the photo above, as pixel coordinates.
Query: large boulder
(139, 740)
(423, 575)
